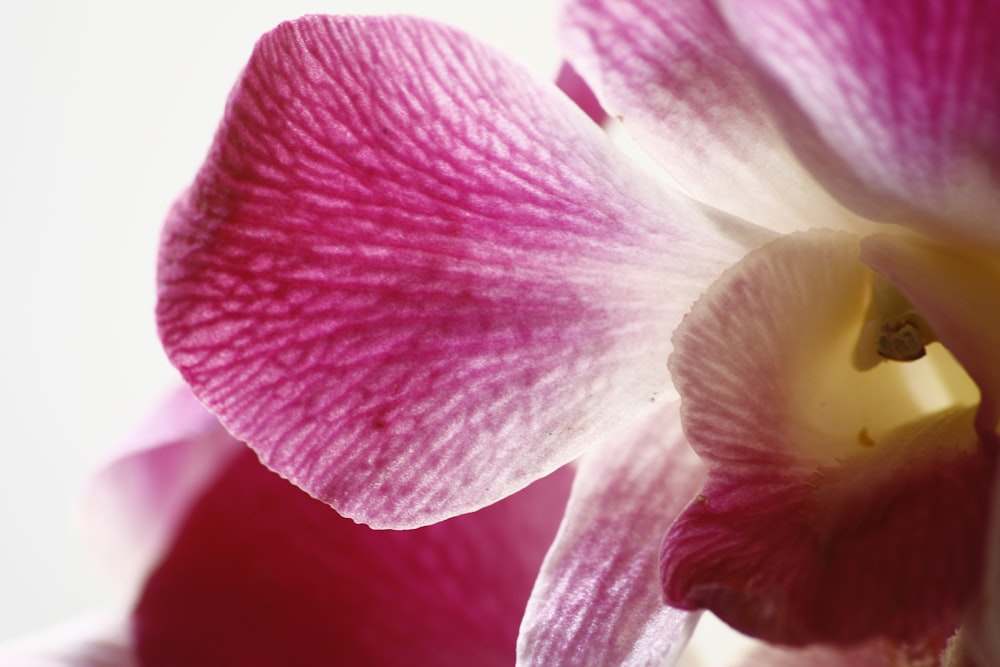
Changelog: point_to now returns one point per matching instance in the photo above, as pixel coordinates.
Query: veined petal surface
(597, 600)
(895, 105)
(684, 88)
(260, 574)
(838, 506)
(414, 278)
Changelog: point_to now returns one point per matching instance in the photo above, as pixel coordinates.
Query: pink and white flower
(414, 278)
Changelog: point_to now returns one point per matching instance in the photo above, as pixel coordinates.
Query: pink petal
(414, 279)
(685, 90)
(597, 601)
(577, 90)
(837, 507)
(261, 574)
(134, 503)
(894, 105)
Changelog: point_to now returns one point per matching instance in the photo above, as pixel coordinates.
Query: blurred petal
(876, 653)
(968, 649)
(981, 634)
(894, 105)
(597, 600)
(91, 641)
(684, 89)
(260, 574)
(135, 501)
(838, 506)
(577, 90)
(414, 279)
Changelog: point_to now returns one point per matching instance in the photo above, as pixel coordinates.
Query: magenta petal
(685, 90)
(597, 600)
(134, 503)
(816, 559)
(414, 278)
(261, 574)
(895, 105)
(571, 83)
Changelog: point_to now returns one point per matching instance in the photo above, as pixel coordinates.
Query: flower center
(893, 330)
(854, 390)
(902, 340)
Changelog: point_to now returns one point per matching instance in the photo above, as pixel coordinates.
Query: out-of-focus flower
(414, 278)
(235, 566)
(872, 653)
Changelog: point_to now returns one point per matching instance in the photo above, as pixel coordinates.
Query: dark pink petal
(135, 501)
(597, 600)
(577, 90)
(414, 278)
(981, 639)
(260, 574)
(894, 105)
(840, 504)
(688, 94)
(875, 653)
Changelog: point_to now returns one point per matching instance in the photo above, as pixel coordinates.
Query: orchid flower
(232, 565)
(415, 278)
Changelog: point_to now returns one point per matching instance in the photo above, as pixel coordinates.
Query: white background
(106, 110)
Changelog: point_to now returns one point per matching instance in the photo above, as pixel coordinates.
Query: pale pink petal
(875, 653)
(895, 105)
(261, 575)
(839, 505)
(91, 641)
(685, 90)
(414, 278)
(134, 502)
(597, 600)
